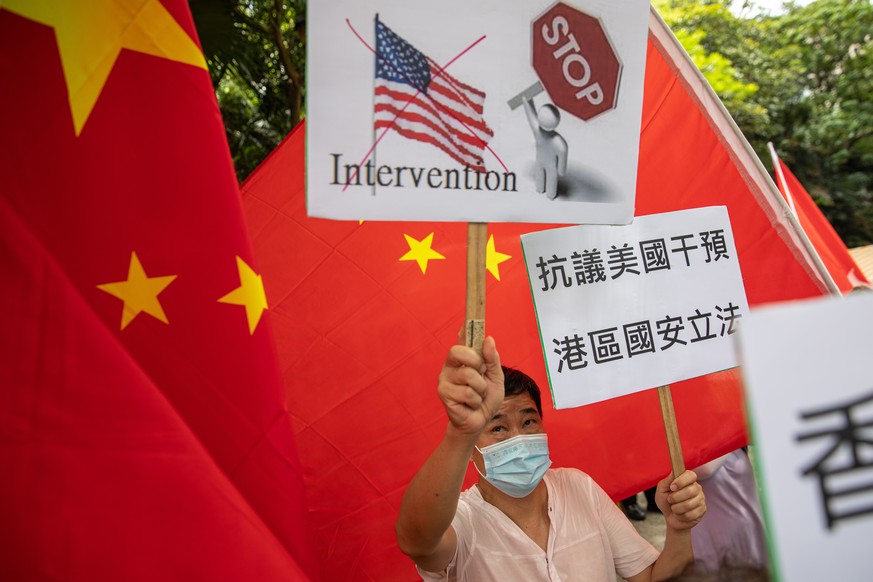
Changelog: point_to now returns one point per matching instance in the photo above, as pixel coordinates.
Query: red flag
(364, 315)
(143, 432)
(827, 243)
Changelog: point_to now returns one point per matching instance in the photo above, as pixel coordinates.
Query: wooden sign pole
(673, 445)
(474, 327)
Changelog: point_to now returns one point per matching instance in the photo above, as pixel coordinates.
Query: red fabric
(824, 238)
(362, 336)
(162, 450)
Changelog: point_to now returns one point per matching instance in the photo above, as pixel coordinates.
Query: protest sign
(810, 392)
(475, 112)
(624, 309)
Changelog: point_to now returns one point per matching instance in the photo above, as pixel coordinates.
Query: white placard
(808, 380)
(372, 155)
(627, 308)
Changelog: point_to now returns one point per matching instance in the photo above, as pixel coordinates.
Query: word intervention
(588, 266)
(404, 176)
(634, 339)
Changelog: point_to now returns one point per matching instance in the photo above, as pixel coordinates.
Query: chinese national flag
(365, 312)
(143, 431)
(830, 247)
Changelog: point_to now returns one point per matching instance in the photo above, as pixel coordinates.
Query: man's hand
(681, 500)
(471, 386)
(682, 503)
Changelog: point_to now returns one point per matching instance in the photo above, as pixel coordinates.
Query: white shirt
(590, 539)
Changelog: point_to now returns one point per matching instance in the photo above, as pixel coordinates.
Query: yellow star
(139, 292)
(91, 33)
(420, 251)
(493, 258)
(249, 294)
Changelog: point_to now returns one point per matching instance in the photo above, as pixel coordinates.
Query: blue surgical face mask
(516, 465)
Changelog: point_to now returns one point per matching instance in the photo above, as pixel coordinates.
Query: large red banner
(143, 431)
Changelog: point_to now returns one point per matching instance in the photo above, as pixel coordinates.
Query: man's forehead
(516, 403)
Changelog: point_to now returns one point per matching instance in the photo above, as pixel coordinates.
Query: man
(522, 521)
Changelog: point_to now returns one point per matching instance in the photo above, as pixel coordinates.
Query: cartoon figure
(551, 147)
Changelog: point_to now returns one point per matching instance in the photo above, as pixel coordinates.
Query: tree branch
(293, 86)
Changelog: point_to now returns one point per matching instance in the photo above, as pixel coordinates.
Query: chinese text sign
(627, 308)
(809, 388)
(482, 111)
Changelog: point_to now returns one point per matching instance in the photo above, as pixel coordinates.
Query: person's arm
(683, 505)
(562, 157)
(471, 389)
(530, 112)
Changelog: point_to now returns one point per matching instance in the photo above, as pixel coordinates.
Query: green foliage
(721, 46)
(802, 80)
(256, 51)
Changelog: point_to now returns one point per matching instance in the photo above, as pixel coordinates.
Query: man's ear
(481, 472)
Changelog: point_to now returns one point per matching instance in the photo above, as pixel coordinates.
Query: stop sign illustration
(575, 61)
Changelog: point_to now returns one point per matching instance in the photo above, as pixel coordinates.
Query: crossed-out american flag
(416, 98)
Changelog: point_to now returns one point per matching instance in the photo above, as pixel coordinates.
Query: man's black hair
(516, 382)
